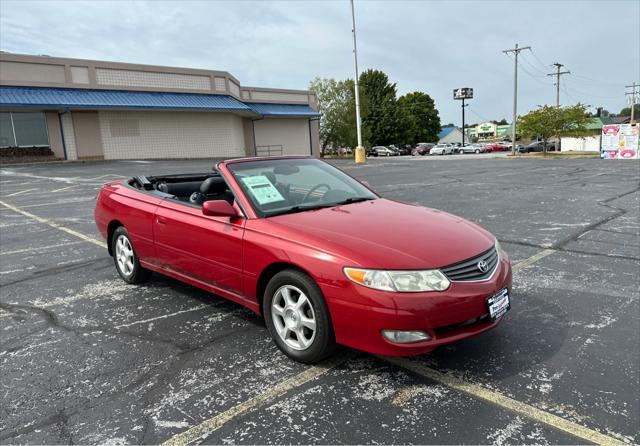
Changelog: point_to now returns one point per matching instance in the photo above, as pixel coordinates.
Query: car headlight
(399, 281)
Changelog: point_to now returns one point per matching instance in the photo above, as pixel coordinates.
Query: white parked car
(441, 149)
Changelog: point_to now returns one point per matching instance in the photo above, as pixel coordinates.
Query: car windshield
(284, 186)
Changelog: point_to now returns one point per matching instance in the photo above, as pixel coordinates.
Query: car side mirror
(219, 208)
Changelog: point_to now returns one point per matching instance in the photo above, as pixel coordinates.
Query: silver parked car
(472, 148)
(384, 151)
(442, 149)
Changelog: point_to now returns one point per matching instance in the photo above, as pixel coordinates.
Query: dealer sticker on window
(262, 189)
(499, 304)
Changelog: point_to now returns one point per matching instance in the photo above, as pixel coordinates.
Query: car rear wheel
(125, 258)
(297, 317)
(477, 151)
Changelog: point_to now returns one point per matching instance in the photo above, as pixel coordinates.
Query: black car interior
(194, 189)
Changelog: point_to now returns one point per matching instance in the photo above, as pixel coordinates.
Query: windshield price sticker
(262, 189)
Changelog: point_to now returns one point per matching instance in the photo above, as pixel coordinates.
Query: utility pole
(634, 97)
(360, 153)
(515, 51)
(557, 74)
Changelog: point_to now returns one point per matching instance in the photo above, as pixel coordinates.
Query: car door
(207, 249)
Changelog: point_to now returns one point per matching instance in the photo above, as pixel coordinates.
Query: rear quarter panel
(134, 210)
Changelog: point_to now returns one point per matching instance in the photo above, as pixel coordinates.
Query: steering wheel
(313, 189)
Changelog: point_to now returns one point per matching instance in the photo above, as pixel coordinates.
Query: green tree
(549, 121)
(336, 105)
(503, 121)
(419, 119)
(380, 120)
(625, 112)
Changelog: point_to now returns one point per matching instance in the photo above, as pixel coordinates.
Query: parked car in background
(472, 148)
(401, 149)
(498, 147)
(384, 151)
(538, 146)
(441, 149)
(422, 149)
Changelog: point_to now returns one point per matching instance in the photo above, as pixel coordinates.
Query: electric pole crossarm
(557, 74)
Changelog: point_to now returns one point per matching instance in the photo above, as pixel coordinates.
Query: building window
(23, 130)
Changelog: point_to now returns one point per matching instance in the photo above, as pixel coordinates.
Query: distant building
(450, 135)
(590, 143)
(88, 109)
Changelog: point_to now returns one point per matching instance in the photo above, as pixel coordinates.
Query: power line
(542, 73)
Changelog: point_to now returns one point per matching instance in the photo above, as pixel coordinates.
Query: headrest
(213, 185)
(270, 176)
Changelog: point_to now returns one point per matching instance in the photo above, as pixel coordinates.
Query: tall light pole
(515, 51)
(360, 154)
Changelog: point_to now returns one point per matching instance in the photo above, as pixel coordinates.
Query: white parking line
(38, 248)
(21, 192)
(64, 188)
(164, 316)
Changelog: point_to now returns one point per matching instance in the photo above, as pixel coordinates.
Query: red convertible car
(310, 248)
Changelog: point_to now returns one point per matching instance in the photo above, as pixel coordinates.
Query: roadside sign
(620, 141)
(463, 93)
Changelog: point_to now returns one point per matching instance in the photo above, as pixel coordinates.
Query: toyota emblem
(483, 266)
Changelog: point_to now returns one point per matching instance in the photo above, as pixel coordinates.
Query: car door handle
(161, 221)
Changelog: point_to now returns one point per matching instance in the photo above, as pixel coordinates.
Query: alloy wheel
(293, 317)
(124, 255)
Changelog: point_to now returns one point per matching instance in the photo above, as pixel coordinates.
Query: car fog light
(405, 337)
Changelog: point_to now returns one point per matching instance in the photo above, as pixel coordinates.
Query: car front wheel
(297, 317)
(125, 258)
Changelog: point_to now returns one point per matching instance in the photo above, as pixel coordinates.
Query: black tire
(138, 274)
(477, 151)
(324, 343)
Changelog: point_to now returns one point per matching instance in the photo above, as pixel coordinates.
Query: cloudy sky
(432, 46)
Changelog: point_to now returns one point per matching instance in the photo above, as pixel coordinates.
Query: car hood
(385, 234)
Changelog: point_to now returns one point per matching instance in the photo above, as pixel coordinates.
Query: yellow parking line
(55, 225)
(524, 409)
(212, 424)
(533, 259)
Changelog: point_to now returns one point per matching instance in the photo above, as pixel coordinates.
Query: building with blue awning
(85, 109)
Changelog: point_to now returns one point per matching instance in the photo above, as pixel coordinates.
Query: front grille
(468, 271)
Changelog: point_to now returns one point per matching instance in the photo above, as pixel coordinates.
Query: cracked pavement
(86, 358)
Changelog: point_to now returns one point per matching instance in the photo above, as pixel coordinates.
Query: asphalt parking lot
(86, 358)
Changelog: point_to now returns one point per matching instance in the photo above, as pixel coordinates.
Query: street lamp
(360, 153)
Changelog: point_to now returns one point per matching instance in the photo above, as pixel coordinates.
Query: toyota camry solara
(321, 256)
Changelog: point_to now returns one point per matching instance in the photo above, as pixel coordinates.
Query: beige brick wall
(292, 134)
(157, 134)
(133, 78)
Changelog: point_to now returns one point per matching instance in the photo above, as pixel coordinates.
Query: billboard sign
(620, 141)
(463, 93)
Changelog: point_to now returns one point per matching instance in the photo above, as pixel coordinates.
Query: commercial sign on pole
(620, 141)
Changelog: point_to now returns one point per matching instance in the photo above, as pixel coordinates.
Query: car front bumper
(359, 314)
